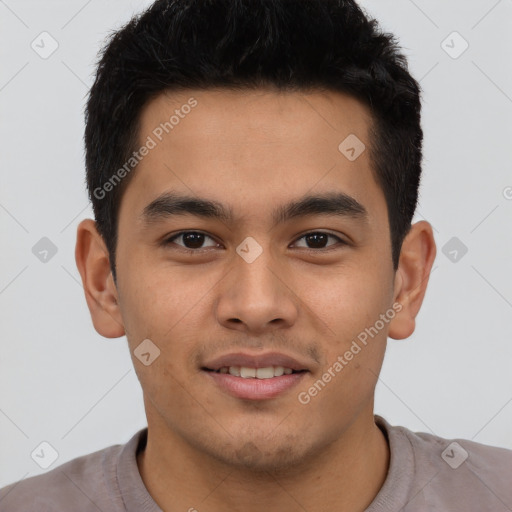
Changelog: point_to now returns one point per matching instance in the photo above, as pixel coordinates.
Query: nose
(255, 297)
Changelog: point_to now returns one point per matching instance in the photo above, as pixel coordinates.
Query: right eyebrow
(171, 204)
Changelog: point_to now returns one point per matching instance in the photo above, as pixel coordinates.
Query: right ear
(93, 263)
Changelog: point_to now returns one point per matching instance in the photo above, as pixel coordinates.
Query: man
(254, 167)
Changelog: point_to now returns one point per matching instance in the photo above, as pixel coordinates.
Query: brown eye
(319, 239)
(190, 240)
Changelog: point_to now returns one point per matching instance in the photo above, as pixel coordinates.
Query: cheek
(351, 306)
(160, 299)
(348, 300)
(170, 307)
(354, 352)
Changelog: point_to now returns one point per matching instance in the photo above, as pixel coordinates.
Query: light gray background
(63, 383)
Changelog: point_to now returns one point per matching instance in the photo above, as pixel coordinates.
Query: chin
(261, 455)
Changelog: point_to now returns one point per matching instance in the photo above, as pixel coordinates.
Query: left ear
(411, 279)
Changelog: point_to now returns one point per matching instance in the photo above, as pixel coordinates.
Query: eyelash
(169, 241)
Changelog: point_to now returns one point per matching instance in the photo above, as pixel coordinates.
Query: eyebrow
(172, 204)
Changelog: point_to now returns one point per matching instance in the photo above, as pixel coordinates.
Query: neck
(347, 475)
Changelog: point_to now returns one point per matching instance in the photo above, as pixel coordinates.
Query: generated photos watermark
(305, 397)
(158, 133)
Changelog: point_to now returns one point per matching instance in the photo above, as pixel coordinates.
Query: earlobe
(93, 263)
(415, 265)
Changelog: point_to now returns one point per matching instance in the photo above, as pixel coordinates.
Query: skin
(252, 151)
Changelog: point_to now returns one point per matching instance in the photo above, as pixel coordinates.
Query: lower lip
(255, 389)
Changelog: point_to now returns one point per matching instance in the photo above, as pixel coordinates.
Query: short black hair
(291, 45)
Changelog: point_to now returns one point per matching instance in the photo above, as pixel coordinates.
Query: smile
(256, 373)
(248, 383)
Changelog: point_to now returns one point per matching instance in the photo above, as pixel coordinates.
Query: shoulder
(483, 454)
(457, 473)
(485, 460)
(79, 485)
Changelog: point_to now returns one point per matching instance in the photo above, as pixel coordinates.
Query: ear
(93, 263)
(411, 278)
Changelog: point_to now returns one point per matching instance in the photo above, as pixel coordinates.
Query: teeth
(264, 373)
(256, 373)
(278, 371)
(247, 372)
(234, 370)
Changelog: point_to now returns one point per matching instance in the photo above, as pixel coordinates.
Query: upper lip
(255, 361)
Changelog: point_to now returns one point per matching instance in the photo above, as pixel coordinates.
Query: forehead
(252, 148)
(269, 116)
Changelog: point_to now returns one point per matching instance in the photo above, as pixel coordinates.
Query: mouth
(246, 372)
(251, 377)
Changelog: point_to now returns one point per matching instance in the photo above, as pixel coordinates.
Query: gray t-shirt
(426, 473)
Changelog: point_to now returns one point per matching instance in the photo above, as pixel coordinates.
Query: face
(261, 286)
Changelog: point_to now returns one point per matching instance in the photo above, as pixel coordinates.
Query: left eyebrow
(336, 203)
